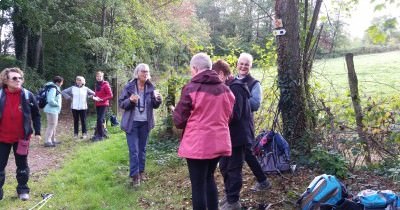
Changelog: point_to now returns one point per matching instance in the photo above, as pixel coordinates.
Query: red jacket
(204, 111)
(12, 121)
(104, 92)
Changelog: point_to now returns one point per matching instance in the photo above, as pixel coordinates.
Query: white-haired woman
(79, 94)
(138, 99)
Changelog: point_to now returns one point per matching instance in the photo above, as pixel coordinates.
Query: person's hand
(134, 98)
(95, 98)
(172, 108)
(157, 95)
(38, 137)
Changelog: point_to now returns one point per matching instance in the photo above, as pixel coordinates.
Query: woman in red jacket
(103, 93)
(18, 111)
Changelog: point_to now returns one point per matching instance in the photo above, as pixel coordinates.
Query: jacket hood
(207, 76)
(239, 83)
(50, 83)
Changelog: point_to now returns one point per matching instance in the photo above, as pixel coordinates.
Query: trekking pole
(46, 197)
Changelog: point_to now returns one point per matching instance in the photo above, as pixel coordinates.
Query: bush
(329, 162)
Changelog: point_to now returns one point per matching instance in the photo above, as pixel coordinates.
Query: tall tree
(290, 74)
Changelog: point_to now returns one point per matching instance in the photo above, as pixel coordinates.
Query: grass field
(378, 74)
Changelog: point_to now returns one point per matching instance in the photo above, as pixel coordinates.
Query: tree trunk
(290, 76)
(353, 83)
(37, 49)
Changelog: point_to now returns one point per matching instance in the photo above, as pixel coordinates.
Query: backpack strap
(26, 92)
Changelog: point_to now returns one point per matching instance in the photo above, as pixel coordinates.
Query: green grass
(378, 74)
(96, 177)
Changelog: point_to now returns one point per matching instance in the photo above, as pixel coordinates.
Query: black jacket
(240, 127)
(31, 112)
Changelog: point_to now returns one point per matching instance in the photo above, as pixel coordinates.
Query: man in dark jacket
(241, 134)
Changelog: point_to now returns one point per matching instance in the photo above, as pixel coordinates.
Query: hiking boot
(136, 180)
(231, 206)
(23, 196)
(84, 136)
(76, 136)
(222, 201)
(55, 142)
(142, 176)
(261, 186)
(49, 144)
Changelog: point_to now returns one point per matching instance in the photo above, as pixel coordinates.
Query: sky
(363, 14)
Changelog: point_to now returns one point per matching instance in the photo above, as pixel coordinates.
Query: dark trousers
(101, 114)
(79, 114)
(204, 189)
(231, 170)
(137, 141)
(22, 167)
(254, 165)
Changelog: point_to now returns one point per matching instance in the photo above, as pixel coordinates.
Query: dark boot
(22, 178)
(2, 179)
(136, 180)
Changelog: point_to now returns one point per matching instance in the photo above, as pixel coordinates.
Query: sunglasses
(17, 78)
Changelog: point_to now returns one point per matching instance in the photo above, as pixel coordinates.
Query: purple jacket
(128, 106)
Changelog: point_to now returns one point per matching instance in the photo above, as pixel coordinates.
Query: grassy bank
(96, 177)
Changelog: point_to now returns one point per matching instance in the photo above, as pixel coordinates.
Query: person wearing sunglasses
(138, 99)
(18, 111)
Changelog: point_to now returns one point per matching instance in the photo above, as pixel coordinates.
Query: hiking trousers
(231, 170)
(254, 165)
(79, 114)
(52, 121)
(22, 167)
(204, 189)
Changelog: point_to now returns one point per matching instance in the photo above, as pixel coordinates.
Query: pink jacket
(104, 92)
(204, 111)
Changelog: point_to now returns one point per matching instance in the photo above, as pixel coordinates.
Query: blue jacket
(129, 107)
(54, 100)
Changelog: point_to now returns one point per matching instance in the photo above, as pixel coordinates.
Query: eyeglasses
(17, 78)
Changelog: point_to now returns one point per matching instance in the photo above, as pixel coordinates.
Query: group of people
(19, 110)
(215, 112)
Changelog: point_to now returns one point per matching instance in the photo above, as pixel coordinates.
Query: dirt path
(43, 159)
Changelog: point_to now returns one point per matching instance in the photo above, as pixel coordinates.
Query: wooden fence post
(353, 83)
(115, 89)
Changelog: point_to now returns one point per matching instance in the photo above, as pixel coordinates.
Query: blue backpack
(378, 200)
(323, 190)
(272, 152)
(41, 97)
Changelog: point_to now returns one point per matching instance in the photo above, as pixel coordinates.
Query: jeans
(82, 115)
(137, 142)
(254, 165)
(101, 114)
(204, 189)
(231, 170)
(22, 167)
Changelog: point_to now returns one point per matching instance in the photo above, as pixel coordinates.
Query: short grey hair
(201, 61)
(246, 56)
(81, 78)
(140, 67)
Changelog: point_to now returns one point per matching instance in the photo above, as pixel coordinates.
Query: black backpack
(41, 96)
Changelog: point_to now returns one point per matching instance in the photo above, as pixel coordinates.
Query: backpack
(41, 96)
(324, 190)
(378, 200)
(272, 152)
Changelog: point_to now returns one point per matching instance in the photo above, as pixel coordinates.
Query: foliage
(329, 162)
